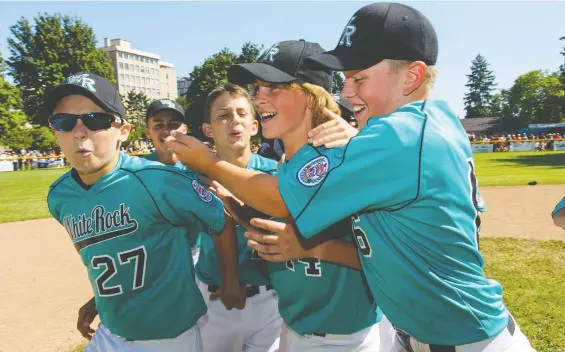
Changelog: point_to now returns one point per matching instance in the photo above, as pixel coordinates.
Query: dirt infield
(44, 281)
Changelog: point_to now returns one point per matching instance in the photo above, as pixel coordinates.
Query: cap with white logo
(165, 104)
(380, 31)
(101, 91)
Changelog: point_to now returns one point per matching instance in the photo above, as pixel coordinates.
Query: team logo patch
(202, 192)
(314, 171)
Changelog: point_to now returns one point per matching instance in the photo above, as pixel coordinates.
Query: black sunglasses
(94, 121)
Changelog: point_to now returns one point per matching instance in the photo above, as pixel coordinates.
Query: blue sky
(515, 37)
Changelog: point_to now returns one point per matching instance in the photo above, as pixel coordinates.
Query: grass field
(533, 276)
(532, 272)
(23, 194)
(517, 169)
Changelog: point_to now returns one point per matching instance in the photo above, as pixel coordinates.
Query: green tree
(44, 53)
(535, 97)
(136, 105)
(481, 86)
(184, 102)
(13, 122)
(43, 138)
(562, 74)
(337, 82)
(249, 53)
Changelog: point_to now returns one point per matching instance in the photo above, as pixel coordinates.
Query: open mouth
(236, 134)
(267, 116)
(359, 109)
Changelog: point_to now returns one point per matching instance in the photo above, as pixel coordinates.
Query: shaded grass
(532, 273)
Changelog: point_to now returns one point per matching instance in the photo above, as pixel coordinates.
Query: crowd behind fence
(30, 160)
(24, 160)
(521, 142)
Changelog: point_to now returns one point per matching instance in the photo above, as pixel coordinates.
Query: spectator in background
(272, 149)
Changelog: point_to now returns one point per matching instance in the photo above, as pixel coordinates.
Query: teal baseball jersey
(559, 206)
(151, 157)
(408, 179)
(321, 297)
(252, 269)
(130, 229)
(194, 237)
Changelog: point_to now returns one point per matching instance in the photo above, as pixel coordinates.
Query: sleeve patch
(202, 192)
(314, 171)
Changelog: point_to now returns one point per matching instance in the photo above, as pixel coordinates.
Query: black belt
(404, 339)
(252, 290)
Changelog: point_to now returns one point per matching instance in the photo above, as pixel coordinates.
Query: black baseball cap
(101, 91)
(282, 63)
(165, 104)
(381, 31)
(345, 106)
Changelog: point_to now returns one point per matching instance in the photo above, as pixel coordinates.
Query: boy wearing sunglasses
(162, 116)
(127, 218)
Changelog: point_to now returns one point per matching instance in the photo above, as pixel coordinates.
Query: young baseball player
(408, 176)
(163, 116)
(325, 307)
(558, 214)
(229, 119)
(127, 218)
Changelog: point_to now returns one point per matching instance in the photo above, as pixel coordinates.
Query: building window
(158, 82)
(158, 92)
(136, 68)
(130, 56)
(121, 76)
(121, 65)
(143, 80)
(122, 87)
(138, 80)
(167, 76)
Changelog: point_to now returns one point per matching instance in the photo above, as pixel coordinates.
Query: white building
(141, 71)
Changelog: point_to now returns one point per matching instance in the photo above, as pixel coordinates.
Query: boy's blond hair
(318, 99)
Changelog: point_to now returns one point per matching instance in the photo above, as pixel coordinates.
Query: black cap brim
(64, 90)
(341, 60)
(248, 73)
